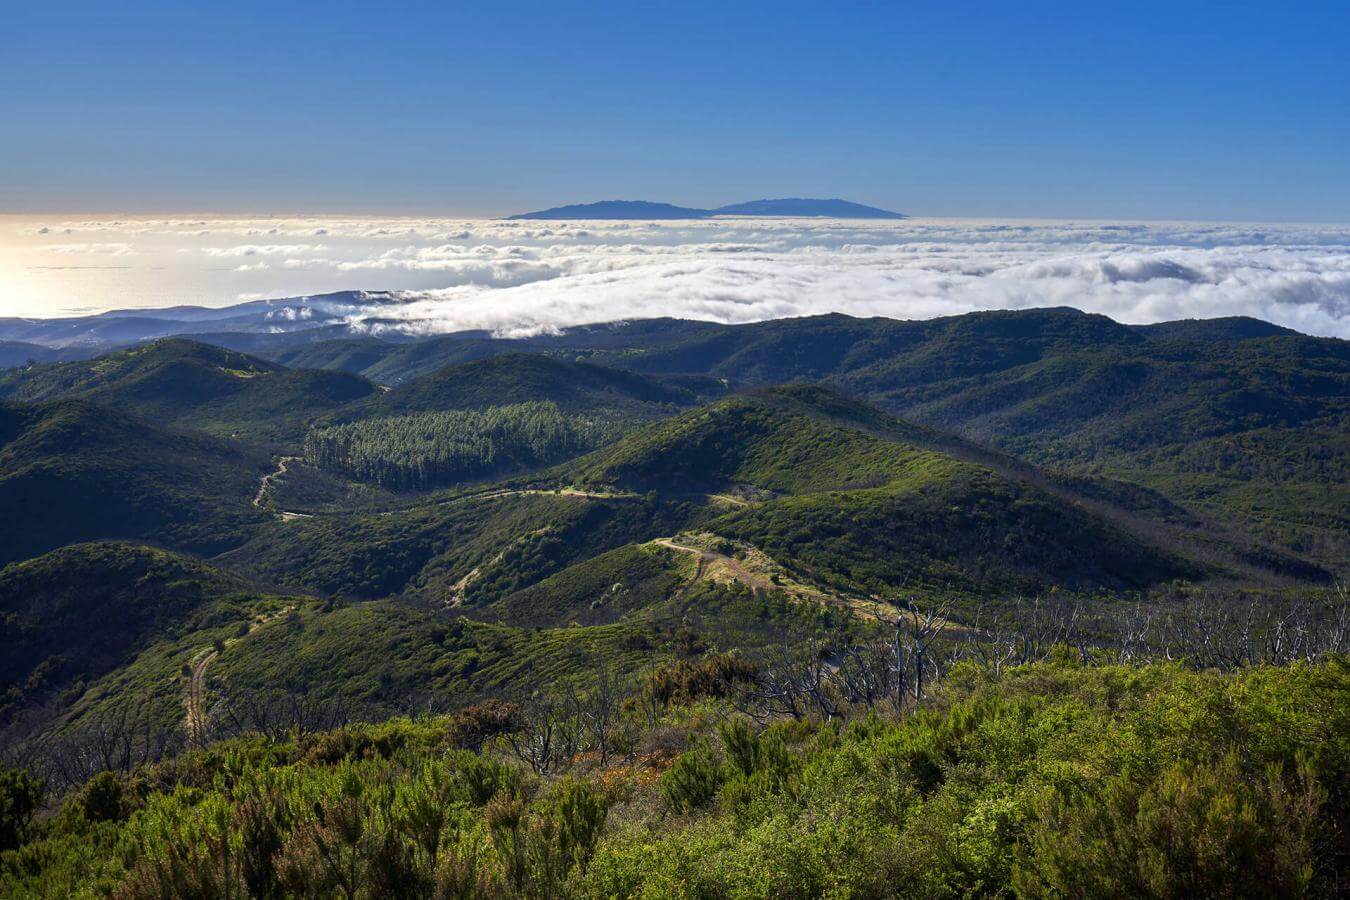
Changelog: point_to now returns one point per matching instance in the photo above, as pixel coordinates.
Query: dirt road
(266, 484)
(194, 691)
(194, 698)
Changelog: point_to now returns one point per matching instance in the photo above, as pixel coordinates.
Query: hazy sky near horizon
(1144, 110)
(515, 277)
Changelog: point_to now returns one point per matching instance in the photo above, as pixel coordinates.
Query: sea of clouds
(519, 277)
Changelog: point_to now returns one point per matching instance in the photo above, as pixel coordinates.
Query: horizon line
(908, 217)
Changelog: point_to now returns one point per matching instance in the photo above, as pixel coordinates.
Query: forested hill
(829, 473)
(72, 471)
(1237, 418)
(520, 378)
(181, 382)
(79, 612)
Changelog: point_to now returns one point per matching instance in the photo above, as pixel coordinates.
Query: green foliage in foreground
(1055, 780)
(421, 451)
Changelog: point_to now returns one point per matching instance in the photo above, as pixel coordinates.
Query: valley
(655, 527)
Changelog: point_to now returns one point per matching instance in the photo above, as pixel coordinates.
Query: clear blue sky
(1145, 109)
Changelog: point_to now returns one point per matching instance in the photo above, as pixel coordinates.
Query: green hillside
(186, 383)
(102, 631)
(1056, 387)
(1048, 380)
(1090, 405)
(453, 549)
(380, 657)
(71, 471)
(605, 588)
(839, 492)
(789, 439)
(72, 615)
(1064, 388)
(367, 661)
(867, 510)
(519, 378)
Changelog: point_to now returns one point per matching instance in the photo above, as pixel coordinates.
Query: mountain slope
(1027, 379)
(448, 550)
(104, 635)
(796, 206)
(856, 508)
(74, 614)
(71, 471)
(1081, 392)
(1059, 387)
(575, 387)
(182, 382)
(846, 493)
(616, 209)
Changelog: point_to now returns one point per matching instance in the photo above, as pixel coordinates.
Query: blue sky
(1131, 110)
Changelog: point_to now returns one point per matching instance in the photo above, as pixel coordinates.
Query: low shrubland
(1051, 779)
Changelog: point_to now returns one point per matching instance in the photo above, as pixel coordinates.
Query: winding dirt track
(266, 484)
(194, 698)
(194, 692)
(261, 499)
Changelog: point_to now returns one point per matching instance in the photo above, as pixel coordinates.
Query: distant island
(647, 209)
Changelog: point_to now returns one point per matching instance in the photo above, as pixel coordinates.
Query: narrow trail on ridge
(194, 691)
(194, 698)
(260, 499)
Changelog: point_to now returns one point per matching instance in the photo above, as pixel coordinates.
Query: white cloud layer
(515, 277)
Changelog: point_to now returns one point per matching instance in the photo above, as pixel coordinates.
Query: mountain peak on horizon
(803, 206)
(616, 209)
(649, 209)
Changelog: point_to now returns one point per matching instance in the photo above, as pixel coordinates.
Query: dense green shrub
(741, 745)
(20, 796)
(104, 798)
(692, 781)
(1199, 830)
